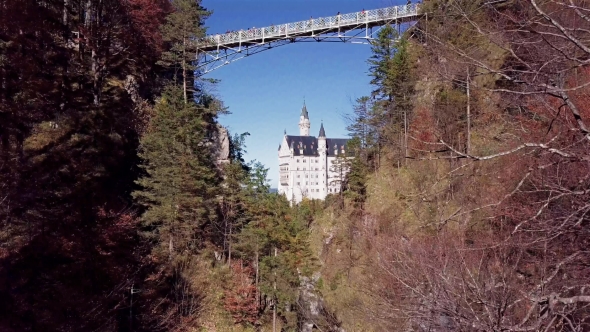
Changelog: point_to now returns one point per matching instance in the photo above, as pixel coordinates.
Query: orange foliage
(240, 296)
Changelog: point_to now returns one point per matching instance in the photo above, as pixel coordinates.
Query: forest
(465, 207)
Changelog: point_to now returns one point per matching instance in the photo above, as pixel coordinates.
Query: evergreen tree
(181, 180)
(233, 194)
(383, 49)
(361, 125)
(392, 77)
(276, 242)
(402, 87)
(356, 179)
(339, 167)
(183, 27)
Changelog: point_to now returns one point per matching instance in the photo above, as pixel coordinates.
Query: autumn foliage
(240, 295)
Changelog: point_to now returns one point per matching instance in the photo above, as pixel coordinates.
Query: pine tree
(391, 74)
(402, 87)
(383, 49)
(183, 27)
(339, 167)
(235, 175)
(181, 180)
(356, 178)
(276, 242)
(361, 125)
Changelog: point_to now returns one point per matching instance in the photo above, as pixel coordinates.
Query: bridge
(215, 51)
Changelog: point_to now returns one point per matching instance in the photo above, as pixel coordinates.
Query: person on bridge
(338, 18)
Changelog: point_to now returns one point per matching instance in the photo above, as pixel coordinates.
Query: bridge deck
(311, 27)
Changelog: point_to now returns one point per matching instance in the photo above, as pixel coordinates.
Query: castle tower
(323, 154)
(304, 123)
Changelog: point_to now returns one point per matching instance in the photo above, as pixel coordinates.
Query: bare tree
(516, 259)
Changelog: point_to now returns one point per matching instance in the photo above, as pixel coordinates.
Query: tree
(512, 258)
(275, 241)
(240, 297)
(383, 49)
(183, 27)
(391, 72)
(181, 181)
(235, 176)
(356, 178)
(361, 126)
(68, 143)
(402, 87)
(338, 169)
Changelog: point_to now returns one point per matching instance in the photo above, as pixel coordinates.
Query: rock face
(310, 302)
(132, 87)
(313, 313)
(221, 145)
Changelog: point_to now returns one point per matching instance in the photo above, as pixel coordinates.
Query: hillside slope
(482, 225)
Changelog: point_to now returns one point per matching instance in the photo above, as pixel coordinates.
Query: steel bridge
(215, 51)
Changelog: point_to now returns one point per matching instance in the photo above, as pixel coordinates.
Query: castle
(306, 163)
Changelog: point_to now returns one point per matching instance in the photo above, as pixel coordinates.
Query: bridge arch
(215, 51)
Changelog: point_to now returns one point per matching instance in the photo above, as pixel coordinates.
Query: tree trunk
(88, 12)
(405, 136)
(229, 245)
(274, 307)
(95, 77)
(66, 40)
(184, 69)
(170, 247)
(65, 18)
(257, 277)
(468, 146)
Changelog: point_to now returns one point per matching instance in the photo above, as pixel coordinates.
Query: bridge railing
(311, 25)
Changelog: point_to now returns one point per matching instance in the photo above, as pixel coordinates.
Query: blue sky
(265, 92)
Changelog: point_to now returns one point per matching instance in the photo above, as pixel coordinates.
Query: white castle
(306, 166)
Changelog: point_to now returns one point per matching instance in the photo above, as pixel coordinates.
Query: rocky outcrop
(313, 313)
(220, 145)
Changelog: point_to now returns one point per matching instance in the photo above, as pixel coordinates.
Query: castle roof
(308, 145)
(304, 113)
(322, 131)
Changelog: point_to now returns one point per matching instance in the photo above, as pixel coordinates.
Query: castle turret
(322, 148)
(304, 123)
(323, 155)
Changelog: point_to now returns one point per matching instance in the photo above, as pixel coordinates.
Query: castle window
(297, 160)
(306, 183)
(298, 183)
(298, 176)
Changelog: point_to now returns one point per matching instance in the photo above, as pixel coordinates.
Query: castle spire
(304, 111)
(304, 123)
(322, 131)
